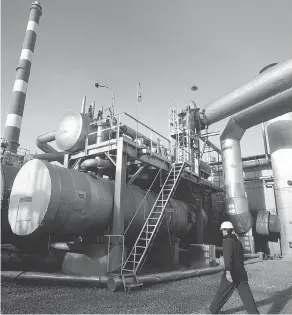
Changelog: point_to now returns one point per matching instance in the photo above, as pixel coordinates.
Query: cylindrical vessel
(73, 129)
(279, 131)
(262, 222)
(14, 117)
(267, 223)
(265, 85)
(71, 132)
(47, 199)
(8, 174)
(102, 132)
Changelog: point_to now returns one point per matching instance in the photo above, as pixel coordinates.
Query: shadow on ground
(278, 301)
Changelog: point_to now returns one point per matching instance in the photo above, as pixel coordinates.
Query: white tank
(54, 200)
(71, 132)
(279, 131)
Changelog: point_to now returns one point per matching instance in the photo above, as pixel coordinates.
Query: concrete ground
(270, 282)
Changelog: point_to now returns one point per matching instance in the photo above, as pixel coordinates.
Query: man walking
(234, 276)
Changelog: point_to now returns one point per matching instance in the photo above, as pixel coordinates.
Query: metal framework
(126, 146)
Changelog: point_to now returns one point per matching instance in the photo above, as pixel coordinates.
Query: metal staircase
(138, 254)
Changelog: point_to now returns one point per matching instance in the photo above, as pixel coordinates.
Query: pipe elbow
(42, 142)
(95, 163)
(232, 131)
(239, 214)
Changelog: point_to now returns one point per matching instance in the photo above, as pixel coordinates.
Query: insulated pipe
(14, 117)
(267, 84)
(42, 142)
(50, 157)
(60, 246)
(236, 200)
(83, 105)
(53, 277)
(247, 164)
(265, 141)
(96, 163)
(115, 283)
(246, 159)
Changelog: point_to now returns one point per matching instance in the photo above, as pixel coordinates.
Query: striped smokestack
(14, 117)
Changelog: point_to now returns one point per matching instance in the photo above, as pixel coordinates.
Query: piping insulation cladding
(236, 200)
(47, 199)
(14, 117)
(279, 131)
(271, 82)
(113, 283)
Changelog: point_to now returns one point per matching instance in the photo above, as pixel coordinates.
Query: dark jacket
(234, 258)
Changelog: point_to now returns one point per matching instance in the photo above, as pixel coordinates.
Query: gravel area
(270, 282)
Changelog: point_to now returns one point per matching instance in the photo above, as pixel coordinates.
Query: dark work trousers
(226, 289)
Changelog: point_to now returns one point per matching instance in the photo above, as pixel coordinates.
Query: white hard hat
(226, 225)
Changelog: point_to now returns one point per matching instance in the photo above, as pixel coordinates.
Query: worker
(234, 276)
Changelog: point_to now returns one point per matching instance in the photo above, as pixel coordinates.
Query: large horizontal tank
(59, 201)
(8, 174)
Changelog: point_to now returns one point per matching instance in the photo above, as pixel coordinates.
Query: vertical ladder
(138, 254)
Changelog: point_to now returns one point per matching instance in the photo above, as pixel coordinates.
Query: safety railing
(109, 131)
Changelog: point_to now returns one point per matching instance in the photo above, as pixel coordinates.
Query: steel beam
(134, 176)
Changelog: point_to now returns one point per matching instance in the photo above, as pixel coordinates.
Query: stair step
(153, 223)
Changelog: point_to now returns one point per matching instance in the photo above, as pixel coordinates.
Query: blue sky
(163, 44)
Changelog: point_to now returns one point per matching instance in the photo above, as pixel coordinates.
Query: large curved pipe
(50, 157)
(42, 142)
(96, 163)
(236, 201)
(267, 84)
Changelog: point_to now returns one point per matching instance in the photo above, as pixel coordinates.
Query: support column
(199, 223)
(66, 161)
(118, 214)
